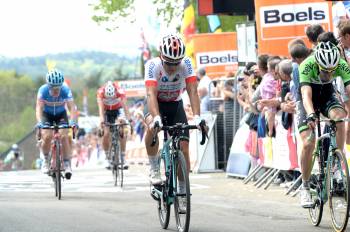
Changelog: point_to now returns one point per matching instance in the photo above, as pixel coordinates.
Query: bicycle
(331, 183)
(56, 168)
(174, 169)
(115, 152)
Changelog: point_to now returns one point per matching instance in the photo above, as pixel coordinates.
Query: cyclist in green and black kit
(317, 93)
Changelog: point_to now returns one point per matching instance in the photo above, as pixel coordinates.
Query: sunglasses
(55, 87)
(171, 64)
(326, 70)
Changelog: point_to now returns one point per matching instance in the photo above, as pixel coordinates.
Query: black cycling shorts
(55, 119)
(112, 115)
(323, 98)
(172, 113)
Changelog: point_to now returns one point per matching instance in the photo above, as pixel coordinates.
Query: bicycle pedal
(182, 194)
(154, 195)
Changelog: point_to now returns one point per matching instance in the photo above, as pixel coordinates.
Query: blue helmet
(54, 78)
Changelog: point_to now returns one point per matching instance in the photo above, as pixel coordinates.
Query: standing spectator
(268, 91)
(339, 14)
(312, 33)
(14, 160)
(204, 80)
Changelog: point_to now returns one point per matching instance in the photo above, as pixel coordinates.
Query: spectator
(268, 88)
(295, 41)
(312, 33)
(339, 15)
(204, 80)
(327, 36)
(14, 160)
(204, 98)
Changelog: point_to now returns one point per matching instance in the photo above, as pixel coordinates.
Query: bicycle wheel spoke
(182, 203)
(315, 213)
(163, 205)
(338, 190)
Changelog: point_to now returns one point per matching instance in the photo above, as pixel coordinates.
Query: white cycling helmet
(327, 55)
(109, 89)
(172, 48)
(54, 78)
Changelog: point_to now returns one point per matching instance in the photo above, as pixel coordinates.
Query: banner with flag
(214, 23)
(188, 28)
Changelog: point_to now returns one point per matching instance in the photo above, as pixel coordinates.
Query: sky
(39, 27)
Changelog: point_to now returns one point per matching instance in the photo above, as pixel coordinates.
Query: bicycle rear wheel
(163, 204)
(315, 213)
(338, 190)
(58, 171)
(182, 203)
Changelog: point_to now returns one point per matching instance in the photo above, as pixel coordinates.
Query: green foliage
(113, 13)
(17, 107)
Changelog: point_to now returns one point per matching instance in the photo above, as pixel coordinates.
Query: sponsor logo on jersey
(176, 78)
(188, 65)
(164, 79)
(151, 70)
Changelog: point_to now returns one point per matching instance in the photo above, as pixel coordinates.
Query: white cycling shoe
(154, 177)
(305, 198)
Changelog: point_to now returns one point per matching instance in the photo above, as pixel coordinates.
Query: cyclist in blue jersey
(53, 100)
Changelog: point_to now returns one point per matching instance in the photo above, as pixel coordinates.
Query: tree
(113, 13)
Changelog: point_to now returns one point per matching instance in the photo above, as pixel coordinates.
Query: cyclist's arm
(126, 108)
(39, 110)
(72, 109)
(152, 101)
(306, 93)
(191, 88)
(306, 72)
(101, 109)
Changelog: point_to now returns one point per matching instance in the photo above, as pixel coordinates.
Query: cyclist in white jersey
(166, 78)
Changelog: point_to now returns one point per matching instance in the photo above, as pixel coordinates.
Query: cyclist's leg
(336, 111)
(123, 137)
(307, 146)
(46, 136)
(152, 151)
(66, 140)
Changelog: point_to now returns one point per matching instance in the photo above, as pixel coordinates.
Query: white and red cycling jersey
(111, 103)
(170, 87)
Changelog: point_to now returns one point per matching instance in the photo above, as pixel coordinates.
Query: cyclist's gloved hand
(72, 123)
(311, 120)
(157, 120)
(197, 121)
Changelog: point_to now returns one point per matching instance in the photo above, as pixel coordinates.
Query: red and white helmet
(172, 48)
(109, 89)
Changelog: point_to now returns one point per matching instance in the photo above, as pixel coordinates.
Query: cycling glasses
(55, 87)
(171, 64)
(327, 70)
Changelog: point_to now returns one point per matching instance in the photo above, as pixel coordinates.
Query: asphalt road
(90, 202)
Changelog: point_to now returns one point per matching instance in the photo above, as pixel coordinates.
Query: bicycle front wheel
(338, 190)
(58, 170)
(315, 213)
(182, 203)
(163, 204)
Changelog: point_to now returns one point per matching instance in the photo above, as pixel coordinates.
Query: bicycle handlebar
(55, 127)
(180, 126)
(116, 124)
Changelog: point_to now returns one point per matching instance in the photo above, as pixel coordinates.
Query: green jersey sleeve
(306, 71)
(343, 71)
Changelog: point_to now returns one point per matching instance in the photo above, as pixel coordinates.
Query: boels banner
(217, 52)
(279, 21)
(135, 88)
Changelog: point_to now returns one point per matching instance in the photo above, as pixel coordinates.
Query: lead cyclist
(317, 93)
